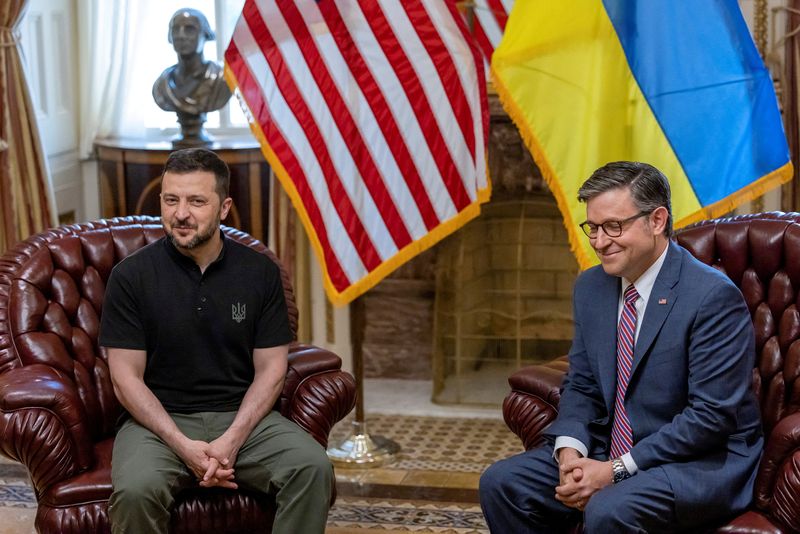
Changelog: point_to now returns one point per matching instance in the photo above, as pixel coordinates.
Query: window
(157, 54)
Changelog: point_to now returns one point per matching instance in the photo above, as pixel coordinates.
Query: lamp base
(361, 450)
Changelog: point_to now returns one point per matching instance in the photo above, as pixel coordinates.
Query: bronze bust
(193, 86)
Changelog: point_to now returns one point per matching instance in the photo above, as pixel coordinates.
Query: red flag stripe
(400, 107)
(341, 115)
(252, 93)
(368, 125)
(349, 216)
(382, 112)
(426, 67)
(508, 5)
(447, 70)
(498, 11)
(487, 19)
(416, 95)
(375, 119)
(281, 118)
(483, 111)
(339, 142)
(332, 144)
(483, 41)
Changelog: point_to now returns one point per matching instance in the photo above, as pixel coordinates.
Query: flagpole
(360, 449)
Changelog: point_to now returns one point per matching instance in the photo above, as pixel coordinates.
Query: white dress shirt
(644, 286)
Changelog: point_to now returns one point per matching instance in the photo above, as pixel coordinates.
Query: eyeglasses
(610, 228)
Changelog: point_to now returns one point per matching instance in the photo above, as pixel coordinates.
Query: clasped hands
(580, 478)
(212, 463)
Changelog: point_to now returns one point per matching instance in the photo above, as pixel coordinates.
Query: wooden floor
(431, 486)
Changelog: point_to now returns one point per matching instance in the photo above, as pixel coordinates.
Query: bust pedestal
(130, 176)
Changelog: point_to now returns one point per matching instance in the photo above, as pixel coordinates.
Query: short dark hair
(648, 186)
(200, 159)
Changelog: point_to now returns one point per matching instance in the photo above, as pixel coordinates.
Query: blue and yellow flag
(679, 85)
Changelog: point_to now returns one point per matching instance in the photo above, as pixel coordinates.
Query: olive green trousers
(278, 458)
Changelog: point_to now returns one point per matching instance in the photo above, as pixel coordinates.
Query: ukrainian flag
(677, 84)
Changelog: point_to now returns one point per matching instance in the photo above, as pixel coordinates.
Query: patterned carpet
(443, 445)
(16, 493)
(405, 516)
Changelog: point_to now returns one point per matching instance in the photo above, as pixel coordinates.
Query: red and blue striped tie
(621, 433)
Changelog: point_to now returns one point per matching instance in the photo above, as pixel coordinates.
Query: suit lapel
(606, 348)
(662, 298)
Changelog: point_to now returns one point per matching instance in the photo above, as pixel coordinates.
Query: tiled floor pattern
(440, 444)
(440, 459)
(430, 488)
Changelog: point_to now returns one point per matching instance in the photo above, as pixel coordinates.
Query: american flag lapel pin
(662, 301)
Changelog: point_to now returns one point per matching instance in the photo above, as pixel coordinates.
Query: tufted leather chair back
(52, 289)
(58, 411)
(761, 254)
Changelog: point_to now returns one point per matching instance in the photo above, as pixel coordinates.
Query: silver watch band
(620, 472)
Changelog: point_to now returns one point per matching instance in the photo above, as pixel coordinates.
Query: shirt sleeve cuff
(630, 465)
(566, 441)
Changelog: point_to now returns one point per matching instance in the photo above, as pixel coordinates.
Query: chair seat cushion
(218, 511)
(199, 510)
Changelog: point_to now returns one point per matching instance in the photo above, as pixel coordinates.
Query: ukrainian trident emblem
(238, 311)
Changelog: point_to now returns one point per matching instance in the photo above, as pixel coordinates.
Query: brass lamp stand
(359, 449)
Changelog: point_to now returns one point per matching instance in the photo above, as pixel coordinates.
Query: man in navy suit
(658, 429)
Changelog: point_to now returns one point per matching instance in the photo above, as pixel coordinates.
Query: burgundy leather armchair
(57, 405)
(761, 254)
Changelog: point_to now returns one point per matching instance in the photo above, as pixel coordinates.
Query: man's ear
(658, 220)
(225, 208)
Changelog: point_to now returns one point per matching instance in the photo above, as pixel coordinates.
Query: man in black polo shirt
(196, 330)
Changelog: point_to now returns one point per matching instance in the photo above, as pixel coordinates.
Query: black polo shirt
(199, 330)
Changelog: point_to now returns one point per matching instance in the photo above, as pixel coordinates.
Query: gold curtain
(24, 193)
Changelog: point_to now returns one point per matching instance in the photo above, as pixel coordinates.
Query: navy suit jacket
(689, 400)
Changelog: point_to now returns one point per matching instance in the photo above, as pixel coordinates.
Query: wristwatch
(619, 470)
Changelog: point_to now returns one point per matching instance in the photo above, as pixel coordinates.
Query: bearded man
(196, 331)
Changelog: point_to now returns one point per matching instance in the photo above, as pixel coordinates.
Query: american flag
(488, 23)
(374, 117)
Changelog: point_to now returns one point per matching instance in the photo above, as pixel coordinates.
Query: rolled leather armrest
(751, 522)
(777, 490)
(42, 424)
(533, 402)
(543, 381)
(316, 393)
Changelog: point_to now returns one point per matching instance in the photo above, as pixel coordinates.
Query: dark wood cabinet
(130, 175)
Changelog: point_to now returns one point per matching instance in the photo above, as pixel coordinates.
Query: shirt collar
(644, 284)
(186, 261)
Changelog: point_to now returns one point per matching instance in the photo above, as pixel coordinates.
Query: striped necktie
(621, 434)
